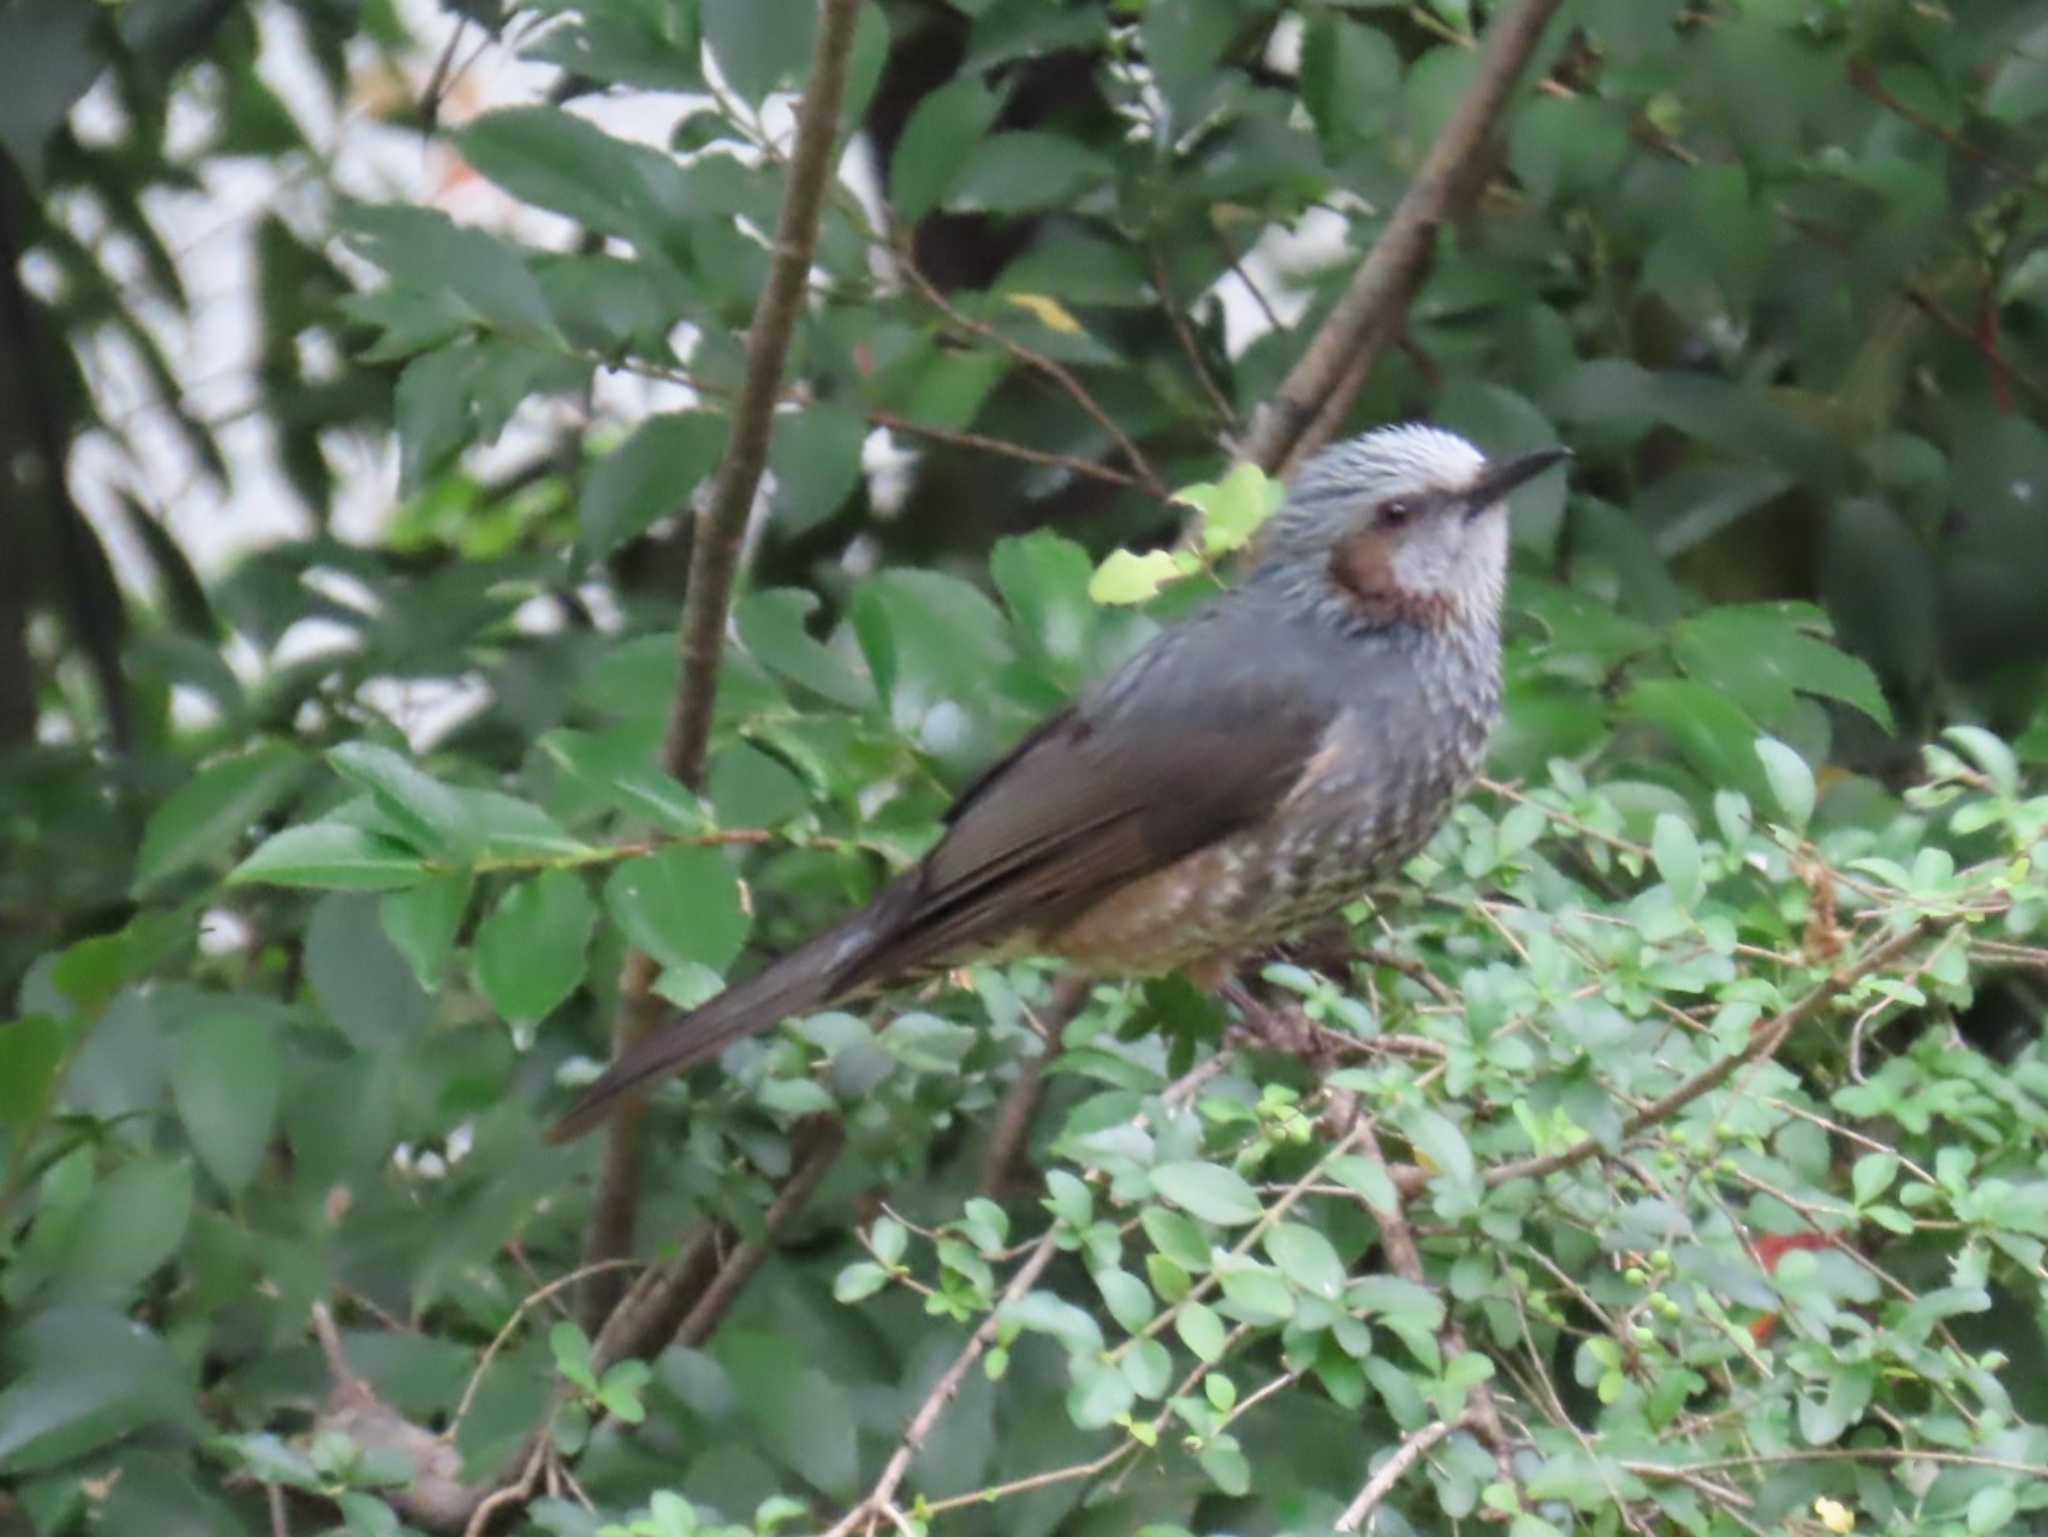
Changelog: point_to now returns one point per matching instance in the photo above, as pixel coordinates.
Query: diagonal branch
(883, 1495)
(715, 560)
(1058, 372)
(1764, 1042)
(1305, 411)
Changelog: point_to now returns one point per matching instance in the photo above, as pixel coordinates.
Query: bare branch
(1002, 447)
(883, 1494)
(1006, 1143)
(1763, 1042)
(1057, 372)
(1299, 417)
(715, 559)
(1411, 1451)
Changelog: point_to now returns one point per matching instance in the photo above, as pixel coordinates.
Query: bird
(1249, 770)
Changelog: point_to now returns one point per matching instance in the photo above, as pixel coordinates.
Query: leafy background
(1663, 1154)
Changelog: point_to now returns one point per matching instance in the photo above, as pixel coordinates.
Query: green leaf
(1991, 1509)
(614, 770)
(1307, 1259)
(1099, 1395)
(432, 816)
(1209, 1191)
(1124, 578)
(573, 1355)
(1350, 80)
(1200, 1330)
(424, 921)
(1397, 1301)
(359, 977)
(511, 830)
(1872, 1176)
(1992, 757)
(564, 163)
(1044, 582)
(530, 950)
(936, 142)
(1233, 509)
(213, 811)
(801, 1418)
(32, 1054)
(1255, 1293)
(815, 456)
(861, 1279)
(1438, 1140)
(681, 905)
(424, 248)
(1176, 1237)
(1369, 1178)
(1711, 731)
(133, 1223)
(333, 856)
(927, 1043)
(226, 1074)
(772, 625)
(1017, 172)
(760, 45)
(1791, 781)
(1764, 654)
(1677, 853)
(650, 476)
(1227, 1466)
(1129, 1299)
(79, 1377)
(1148, 1368)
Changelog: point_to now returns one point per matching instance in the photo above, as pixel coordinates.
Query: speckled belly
(1266, 882)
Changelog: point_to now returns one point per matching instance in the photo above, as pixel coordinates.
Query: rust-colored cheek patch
(1363, 566)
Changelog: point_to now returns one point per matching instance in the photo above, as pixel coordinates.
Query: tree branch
(898, 1467)
(714, 564)
(1411, 1451)
(1301, 416)
(1057, 372)
(1764, 1041)
(1019, 1107)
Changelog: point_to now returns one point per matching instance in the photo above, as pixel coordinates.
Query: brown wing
(1185, 749)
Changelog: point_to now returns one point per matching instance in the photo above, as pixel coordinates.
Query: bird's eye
(1396, 513)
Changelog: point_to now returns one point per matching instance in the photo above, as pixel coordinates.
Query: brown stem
(1057, 372)
(1763, 1042)
(714, 564)
(893, 1473)
(1371, 308)
(1162, 284)
(1003, 447)
(1411, 1451)
(1019, 1108)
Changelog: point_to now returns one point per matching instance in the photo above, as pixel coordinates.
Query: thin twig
(1058, 372)
(1003, 447)
(898, 1467)
(1379, 293)
(1763, 1042)
(715, 552)
(829, 1142)
(527, 1305)
(1411, 1451)
(1162, 284)
(1019, 1108)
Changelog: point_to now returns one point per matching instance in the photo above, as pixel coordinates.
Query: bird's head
(1401, 525)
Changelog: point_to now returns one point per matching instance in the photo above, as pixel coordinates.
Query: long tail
(807, 978)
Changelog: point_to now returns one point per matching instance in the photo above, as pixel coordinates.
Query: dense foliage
(1663, 1152)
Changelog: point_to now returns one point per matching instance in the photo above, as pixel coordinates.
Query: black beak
(1502, 476)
